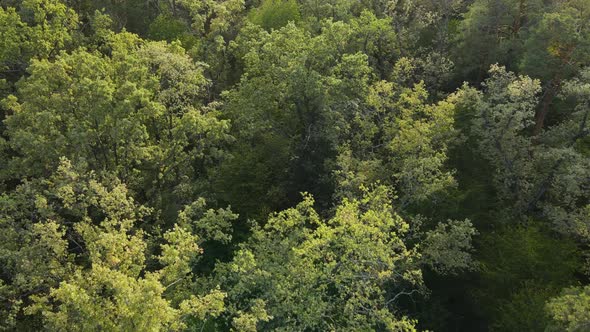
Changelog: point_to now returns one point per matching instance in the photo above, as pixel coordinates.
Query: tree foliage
(85, 266)
(345, 273)
(294, 165)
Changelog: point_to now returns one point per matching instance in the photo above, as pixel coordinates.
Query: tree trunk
(545, 104)
(520, 20)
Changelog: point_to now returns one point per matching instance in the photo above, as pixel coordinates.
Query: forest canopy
(295, 165)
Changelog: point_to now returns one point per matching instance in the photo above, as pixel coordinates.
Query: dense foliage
(295, 165)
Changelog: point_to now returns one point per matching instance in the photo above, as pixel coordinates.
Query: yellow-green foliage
(274, 14)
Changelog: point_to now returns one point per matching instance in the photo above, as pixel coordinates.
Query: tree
(503, 114)
(274, 14)
(570, 310)
(545, 40)
(521, 268)
(400, 140)
(281, 111)
(560, 44)
(137, 112)
(85, 263)
(215, 24)
(494, 32)
(537, 175)
(348, 272)
(33, 28)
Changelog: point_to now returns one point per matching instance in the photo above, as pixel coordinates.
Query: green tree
(33, 28)
(215, 24)
(494, 32)
(570, 311)
(556, 50)
(400, 140)
(137, 113)
(85, 263)
(536, 175)
(274, 14)
(282, 111)
(521, 268)
(348, 272)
